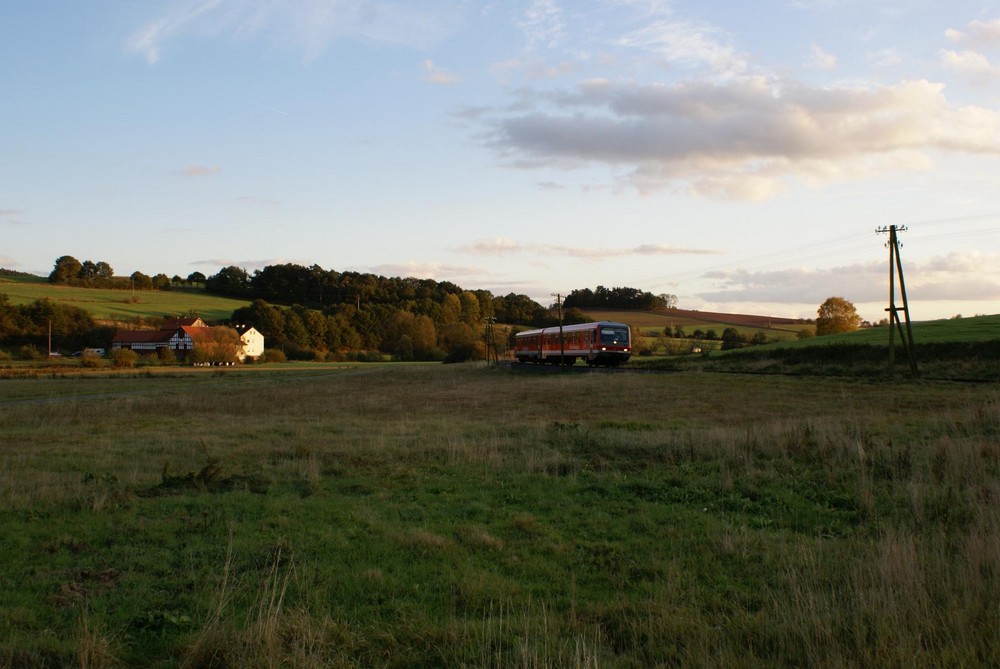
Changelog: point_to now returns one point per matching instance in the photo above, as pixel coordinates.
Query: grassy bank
(956, 349)
(461, 516)
(110, 305)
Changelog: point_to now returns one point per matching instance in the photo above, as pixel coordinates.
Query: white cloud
(8, 262)
(496, 246)
(885, 58)
(425, 270)
(745, 138)
(983, 35)
(148, 40)
(543, 24)
(820, 59)
(687, 44)
(10, 217)
(200, 171)
(437, 75)
(971, 64)
(504, 246)
(308, 26)
(954, 277)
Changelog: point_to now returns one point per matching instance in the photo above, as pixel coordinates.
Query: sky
(740, 156)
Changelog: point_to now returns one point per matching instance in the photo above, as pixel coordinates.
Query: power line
(824, 248)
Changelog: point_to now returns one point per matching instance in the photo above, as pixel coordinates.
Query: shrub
(167, 356)
(299, 353)
(29, 352)
(124, 357)
(91, 359)
(274, 355)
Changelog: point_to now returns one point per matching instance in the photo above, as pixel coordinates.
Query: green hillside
(654, 322)
(109, 305)
(952, 330)
(960, 349)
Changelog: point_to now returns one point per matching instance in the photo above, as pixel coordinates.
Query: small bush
(299, 353)
(167, 356)
(29, 352)
(274, 355)
(90, 359)
(124, 357)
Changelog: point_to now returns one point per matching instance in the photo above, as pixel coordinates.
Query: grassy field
(956, 349)
(121, 304)
(653, 322)
(459, 516)
(947, 331)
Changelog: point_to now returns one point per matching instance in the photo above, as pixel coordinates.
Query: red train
(600, 343)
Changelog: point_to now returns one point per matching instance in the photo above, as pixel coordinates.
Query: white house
(253, 342)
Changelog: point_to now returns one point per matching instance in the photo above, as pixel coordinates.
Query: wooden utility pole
(905, 337)
(562, 342)
(490, 341)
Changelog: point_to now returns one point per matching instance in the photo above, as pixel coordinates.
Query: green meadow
(465, 516)
(118, 305)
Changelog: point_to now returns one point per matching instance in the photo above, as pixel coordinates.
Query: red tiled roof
(197, 333)
(142, 336)
(174, 323)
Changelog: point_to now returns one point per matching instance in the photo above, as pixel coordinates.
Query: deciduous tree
(836, 315)
(66, 269)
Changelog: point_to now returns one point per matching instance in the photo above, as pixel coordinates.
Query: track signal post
(905, 336)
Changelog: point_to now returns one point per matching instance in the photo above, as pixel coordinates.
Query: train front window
(614, 336)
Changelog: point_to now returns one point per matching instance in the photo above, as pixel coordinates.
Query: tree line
(30, 325)
(89, 274)
(618, 298)
(315, 287)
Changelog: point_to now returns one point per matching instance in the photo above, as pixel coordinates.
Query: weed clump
(207, 479)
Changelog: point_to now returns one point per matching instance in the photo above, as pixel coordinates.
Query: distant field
(652, 322)
(121, 304)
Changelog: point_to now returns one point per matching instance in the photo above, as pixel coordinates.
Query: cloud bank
(953, 277)
(745, 138)
(503, 246)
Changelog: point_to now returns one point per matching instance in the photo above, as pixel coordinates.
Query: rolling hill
(653, 322)
(112, 305)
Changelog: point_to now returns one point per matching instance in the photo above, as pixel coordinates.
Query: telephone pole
(562, 342)
(896, 269)
(491, 341)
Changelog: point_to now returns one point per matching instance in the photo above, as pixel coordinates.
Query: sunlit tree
(836, 315)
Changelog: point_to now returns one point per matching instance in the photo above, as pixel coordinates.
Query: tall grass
(459, 516)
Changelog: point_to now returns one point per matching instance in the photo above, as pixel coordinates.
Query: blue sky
(737, 155)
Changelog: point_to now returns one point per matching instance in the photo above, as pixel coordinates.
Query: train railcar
(598, 343)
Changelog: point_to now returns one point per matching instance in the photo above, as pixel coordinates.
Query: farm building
(253, 341)
(191, 337)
